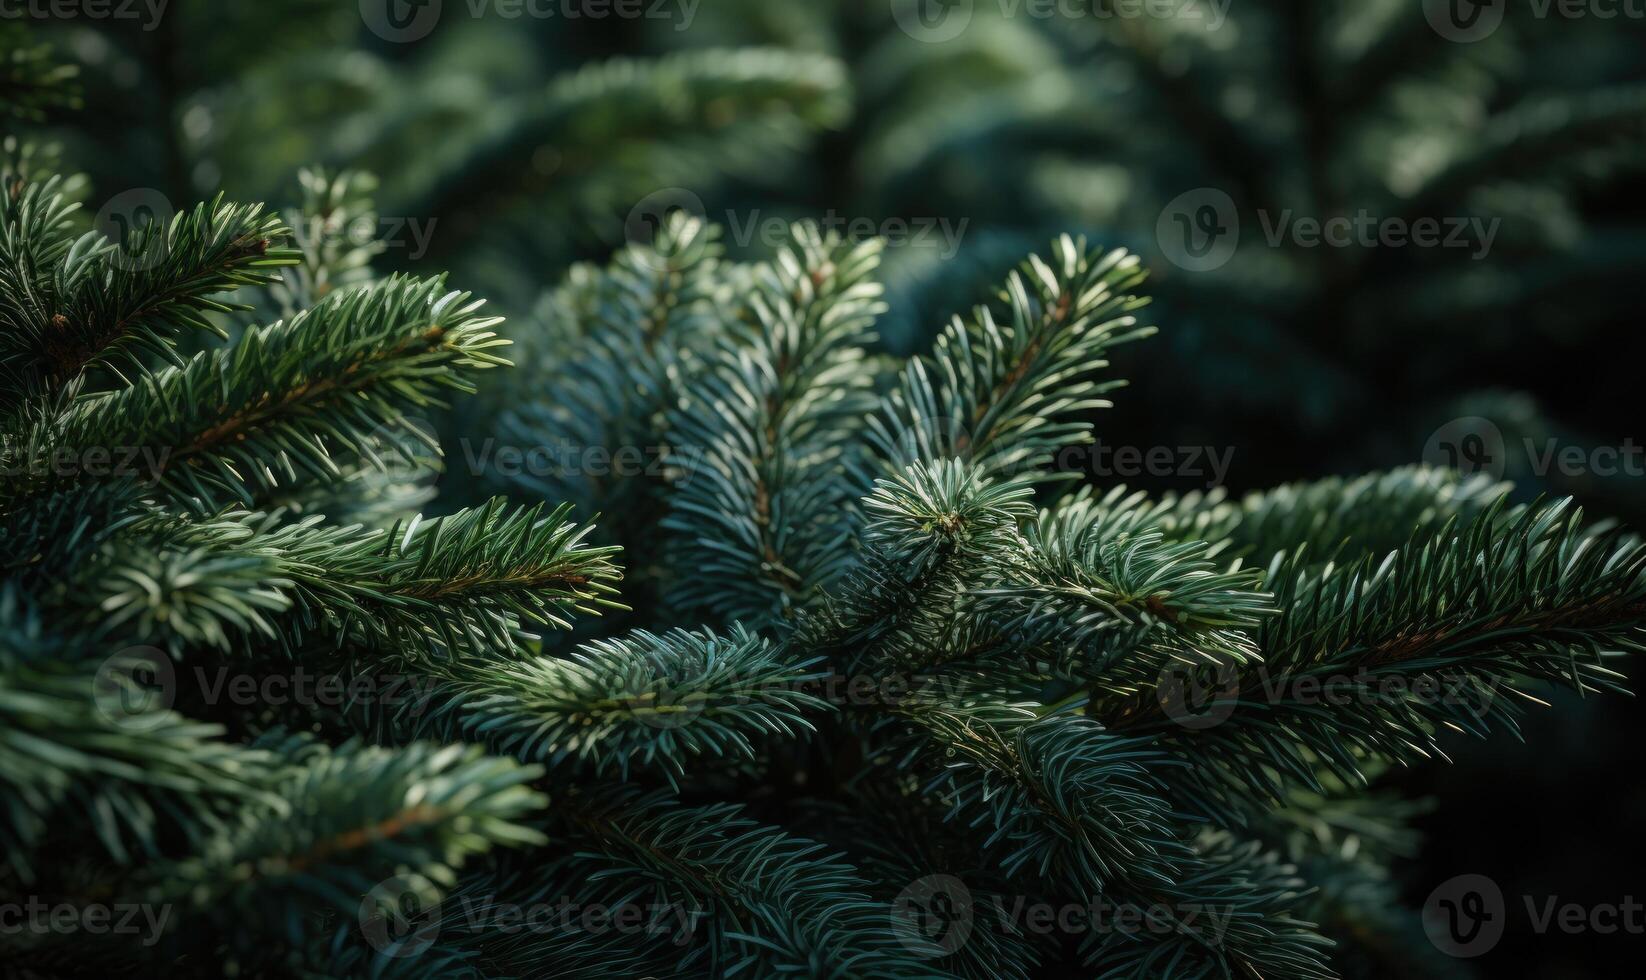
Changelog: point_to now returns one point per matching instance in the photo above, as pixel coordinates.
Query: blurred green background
(514, 137)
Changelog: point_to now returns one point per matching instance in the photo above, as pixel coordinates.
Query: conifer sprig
(761, 509)
(238, 422)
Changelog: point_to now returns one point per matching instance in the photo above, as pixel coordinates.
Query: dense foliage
(875, 686)
(776, 649)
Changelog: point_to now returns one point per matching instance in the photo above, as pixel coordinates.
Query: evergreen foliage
(1025, 120)
(872, 677)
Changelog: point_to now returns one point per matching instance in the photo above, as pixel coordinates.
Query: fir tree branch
(235, 423)
(1372, 660)
(108, 304)
(771, 902)
(928, 538)
(465, 582)
(1006, 395)
(761, 508)
(351, 819)
(641, 703)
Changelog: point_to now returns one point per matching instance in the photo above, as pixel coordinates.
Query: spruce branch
(333, 206)
(760, 511)
(33, 79)
(1372, 660)
(771, 902)
(1114, 603)
(349, 820)
(87, 738)
(612, 350)
(1006, 394)
(469, 581)
(929, 536)
(1335, 519)
(108, 304)
(642, 703)
(1089, 812)
(626, 128)
(238, 422)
